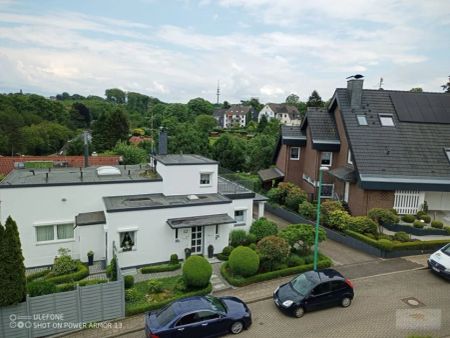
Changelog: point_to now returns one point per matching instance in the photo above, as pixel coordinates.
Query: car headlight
(287, 303)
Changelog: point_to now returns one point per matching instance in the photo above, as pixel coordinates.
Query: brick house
(384, 148)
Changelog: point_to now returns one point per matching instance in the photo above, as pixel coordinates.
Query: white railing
(407, 202)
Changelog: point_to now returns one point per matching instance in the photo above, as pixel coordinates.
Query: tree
(262, 228)
(273, 250)
(75, 147)
(254, 102)
(230, 151)
(131, 154)
(12, 268)
(314, 100)
(301, 236)
(260, 151)
(137, 102)
(110, 128)
(446, 87)
(115, 95)
(80, 116)
(188, 140)
(205, 123)
(226, 105)
(44, 138)
(292, 99)
(200, 106)
(416, 90)
(262, 124)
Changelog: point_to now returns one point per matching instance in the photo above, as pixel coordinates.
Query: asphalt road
(377, 311)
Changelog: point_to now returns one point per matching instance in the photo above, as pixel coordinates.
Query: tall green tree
(292, 99)
(187, 139)
(115, 95)
(44, 138)
(446, 87)
(12, 268)
(314, 100)
(416, 90)
(260, 151)
(137, 102)
(262, 124)
(254, 102)
(80, 116)
(205, 123)
(230, 151)
(200, 106)
(110, 128)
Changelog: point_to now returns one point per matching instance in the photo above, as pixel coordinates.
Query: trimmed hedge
(408, 218)
(72, 286)
(132, 309)
(426, 218)
(437, 224)
(160, 268)
(40, 288)
(128, 281)
(32, 276)
(82, 272)
(244, 261)
(418, 224)
(197, 272)
(240, 281)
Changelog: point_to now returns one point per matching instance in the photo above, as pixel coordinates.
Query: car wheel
(346, 302)
(236, 327)
(299, 312)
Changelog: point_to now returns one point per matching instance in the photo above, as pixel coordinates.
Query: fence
(407, 201)
(59, 312)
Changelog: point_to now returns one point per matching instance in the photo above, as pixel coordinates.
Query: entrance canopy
(188, 222)
(270, 174)
(90, 218)
(345, 174)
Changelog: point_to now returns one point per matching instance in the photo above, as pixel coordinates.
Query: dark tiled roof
(219, 112)
(238, 109)
(345, 174)
(322, 125)
(284, 108)
(408, 153)
(292, 132)
(270, 174)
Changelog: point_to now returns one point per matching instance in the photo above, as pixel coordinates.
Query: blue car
(199, 317)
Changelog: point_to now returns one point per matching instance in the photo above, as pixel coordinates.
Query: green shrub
(154, 286)
(295, 260)
(251, 238)
(418, 224)
(426, 218)
(420, 213)
(174, 259)
(113, 268)
(92, 281)
(408, 218)
(272, 250)
(252, 246)
(276, 195)
(66, 287)
(197, 272)
(437, 224)
(383, 216)
(244, 261)
(294, 198)
(385, 244)
(447, 229)
(287, 194)
(41, 287)
(401, 236)
(129, 281)
(363, 225)
(32, 276)
(307, 210)
(64, 263)
(301, 236)
(81, 272)
(238, 237)
(328, 207)
(132, 295)
(262, 228)
(338, 219)
(160, 268)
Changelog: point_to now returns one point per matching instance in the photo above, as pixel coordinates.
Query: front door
(197, 240)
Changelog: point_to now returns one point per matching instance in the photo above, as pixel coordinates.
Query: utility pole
(380, 86)
(218, 92)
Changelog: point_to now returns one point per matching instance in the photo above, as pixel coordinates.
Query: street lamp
(316, 240)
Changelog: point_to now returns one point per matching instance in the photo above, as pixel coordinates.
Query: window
(447, 152)
(327, 190)
(54, 232)
(321, 289)
(239, 216)
(295, 153)
(387, 120)
(362, 120)
(337, 285)
(326, 159)
(176, 234)
(127, 240)
(217, 229)
(207, 315)
(349, 157)
(188, 319)
(205, 179)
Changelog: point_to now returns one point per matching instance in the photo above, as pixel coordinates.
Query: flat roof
(233, 190)
(188, 222)
(160, 201)
(75, 176)
(183, 159)
(90, 218)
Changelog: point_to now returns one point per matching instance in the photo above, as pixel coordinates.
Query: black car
(314, 290)
(199, 317)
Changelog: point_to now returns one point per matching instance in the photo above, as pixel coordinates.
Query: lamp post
(316, 239)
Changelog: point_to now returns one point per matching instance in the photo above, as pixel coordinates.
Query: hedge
(240, 281)
(82, 272)
(72, 286)
(132, 309)
(36, 275)
(160, 268)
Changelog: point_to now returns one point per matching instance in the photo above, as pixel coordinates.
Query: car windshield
(302, 284)
(216, 304)
(165, 316)
(446, 250)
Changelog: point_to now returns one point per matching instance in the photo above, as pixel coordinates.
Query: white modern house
(286, 114)
(149, 212)
(235, 116)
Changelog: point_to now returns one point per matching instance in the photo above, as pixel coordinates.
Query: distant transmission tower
(218, 92)
(380, 85)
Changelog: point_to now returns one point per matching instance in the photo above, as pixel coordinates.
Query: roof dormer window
(387, 120)
(447, 152)
(362, 120)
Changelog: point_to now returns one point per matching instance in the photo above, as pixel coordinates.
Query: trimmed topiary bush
(307, 210)
(263, 228)
(294, 198)
(252, 246)
(437, 224)
(244, 261)
(197, 272)
(328, 207)
(363, 225)
(447, 229)
(174, 259)
(420, 213)
(383, 216)
(426, 218)
(41, 287)
(401, 236)
(81, 272)
(273, 250)
(418, 224)
(129, 281)
(338, 219)
(408, 218)
(238, 237)
(251, 238)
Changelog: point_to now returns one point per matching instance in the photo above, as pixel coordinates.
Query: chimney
(86, 150)
(162, 143)
(354, 88)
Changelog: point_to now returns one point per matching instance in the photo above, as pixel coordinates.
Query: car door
(188, 326)
(319, 297)
(338, 291)
(212, 323)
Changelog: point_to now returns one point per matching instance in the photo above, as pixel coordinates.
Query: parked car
(314, 290)
(439, 262)
(199, 317)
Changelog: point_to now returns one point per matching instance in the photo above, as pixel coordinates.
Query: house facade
(286, 114)
(149, 212)
(234, 117)
(386, 149)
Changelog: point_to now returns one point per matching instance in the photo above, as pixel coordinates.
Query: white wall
(185, 179)
(266, 111)
(92, 237)
(438, 200)
(52, 204)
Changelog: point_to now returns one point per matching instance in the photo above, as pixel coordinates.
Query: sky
(176, 50)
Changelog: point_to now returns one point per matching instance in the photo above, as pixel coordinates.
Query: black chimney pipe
(162, 142)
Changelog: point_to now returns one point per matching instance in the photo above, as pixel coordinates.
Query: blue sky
(177, 50)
